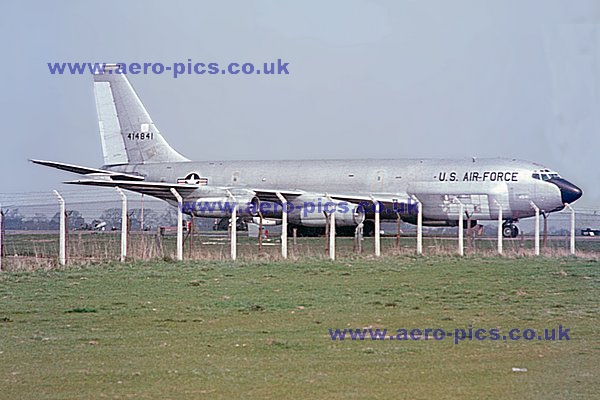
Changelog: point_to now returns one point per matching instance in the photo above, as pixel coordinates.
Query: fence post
(294, 239)
(358, 237)
(461, 243)
(284, 219)
(572, 239)
(62, 252)
(398, 228)
(179, 224)
(500, 218)
(537, 227)
(377, 209)
(331, 228)
(327, 233)
(191, 231)
(159, 245)
(419, 225)
(123, 224)
(142, 215)
(260, 232)
(233, 239)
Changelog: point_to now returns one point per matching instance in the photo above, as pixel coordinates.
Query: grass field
(260, 330)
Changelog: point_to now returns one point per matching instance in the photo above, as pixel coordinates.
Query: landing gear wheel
(368, 228)
(514, 232)
(510, 231)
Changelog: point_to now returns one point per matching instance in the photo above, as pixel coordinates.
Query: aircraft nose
(568, 191)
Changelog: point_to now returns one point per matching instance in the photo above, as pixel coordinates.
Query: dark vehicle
(590, 232)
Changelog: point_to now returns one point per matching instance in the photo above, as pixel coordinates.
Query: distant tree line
(14, 220)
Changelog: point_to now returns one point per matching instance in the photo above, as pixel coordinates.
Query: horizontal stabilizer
(78, 169)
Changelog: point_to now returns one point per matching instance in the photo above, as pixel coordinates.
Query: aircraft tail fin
(128, 134)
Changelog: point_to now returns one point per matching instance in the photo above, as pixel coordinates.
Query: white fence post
(461, 228)
(572, 239)
(123, 224)
(62, 252)
(179, 224)
(537, 228)
(284, 219)
(331, 228)
(377, 209)
(419, 225)
(500, 218)
(234, 227)
(358, 237)
(142, 215)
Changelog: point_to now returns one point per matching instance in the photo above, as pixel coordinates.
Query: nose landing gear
(509, 230)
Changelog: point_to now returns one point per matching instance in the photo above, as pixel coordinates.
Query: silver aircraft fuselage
(483, 184)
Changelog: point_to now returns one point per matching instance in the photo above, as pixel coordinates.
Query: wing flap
(389, 201)
(270, 195)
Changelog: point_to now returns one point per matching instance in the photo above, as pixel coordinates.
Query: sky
(367, 79)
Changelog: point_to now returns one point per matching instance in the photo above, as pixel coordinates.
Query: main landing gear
(509, 230)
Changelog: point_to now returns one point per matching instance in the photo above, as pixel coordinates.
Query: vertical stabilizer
(128, 134)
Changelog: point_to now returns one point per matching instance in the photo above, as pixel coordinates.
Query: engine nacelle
(221, 205)
(314, 215)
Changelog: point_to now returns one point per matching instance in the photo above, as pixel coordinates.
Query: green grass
(260, 330)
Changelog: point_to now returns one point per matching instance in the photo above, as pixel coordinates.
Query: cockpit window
(544, 175)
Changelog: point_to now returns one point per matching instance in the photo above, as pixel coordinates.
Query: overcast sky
(368, 79)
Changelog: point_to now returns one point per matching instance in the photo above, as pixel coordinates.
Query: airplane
(138, 158)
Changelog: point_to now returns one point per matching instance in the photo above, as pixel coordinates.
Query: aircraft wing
(78, 169)
(387, 199)
(162, 190)
(383, 198)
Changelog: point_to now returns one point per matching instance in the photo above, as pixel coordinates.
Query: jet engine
(313, 215)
